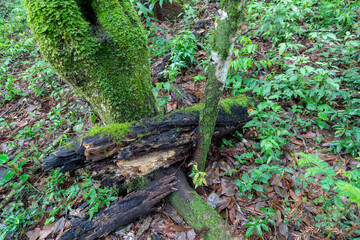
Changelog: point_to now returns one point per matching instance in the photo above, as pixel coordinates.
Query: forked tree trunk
(100, 48)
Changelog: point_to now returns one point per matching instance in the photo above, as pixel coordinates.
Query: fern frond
(348, 190)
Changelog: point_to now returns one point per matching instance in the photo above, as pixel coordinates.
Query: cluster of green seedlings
(182, 47)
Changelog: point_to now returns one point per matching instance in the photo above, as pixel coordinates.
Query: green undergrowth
(308, 81)
(32, 94)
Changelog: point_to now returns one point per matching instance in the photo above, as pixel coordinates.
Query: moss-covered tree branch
(231, 14)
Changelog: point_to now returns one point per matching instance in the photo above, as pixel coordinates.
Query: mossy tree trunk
(100, 48)
(231, 14)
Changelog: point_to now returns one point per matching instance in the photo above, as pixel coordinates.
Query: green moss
(200, 215)
(241, 100)
(70, 145)
(226, 107)
(136, 184)
(106, 63)
(117, 131)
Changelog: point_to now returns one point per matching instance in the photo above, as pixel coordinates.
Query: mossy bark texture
(223, 44)
(197, 212)
(100, 48)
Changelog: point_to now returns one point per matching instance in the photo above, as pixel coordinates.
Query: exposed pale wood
(152, 143)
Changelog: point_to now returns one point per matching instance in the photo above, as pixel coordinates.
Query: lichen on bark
(100, 48)
(223, 42)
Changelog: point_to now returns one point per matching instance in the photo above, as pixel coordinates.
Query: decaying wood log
(197, 212)
(129, 150)
(123, 212)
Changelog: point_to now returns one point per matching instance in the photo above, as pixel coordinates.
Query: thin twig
(338, 220)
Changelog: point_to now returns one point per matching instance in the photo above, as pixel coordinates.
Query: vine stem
(336, 223)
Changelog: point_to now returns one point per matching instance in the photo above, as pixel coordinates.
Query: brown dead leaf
(77, 213)
(191, 235)
(249, 110)
(59, 224)
(181, 228)
(293, 195)
(34, 234)
(276, 181)
(310, 135)
(47, 230)
(298, 142)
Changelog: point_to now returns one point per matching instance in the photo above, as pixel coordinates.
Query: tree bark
(197, 212)
(223, 44)
(135, 149)
(123, 212)
(100, 48)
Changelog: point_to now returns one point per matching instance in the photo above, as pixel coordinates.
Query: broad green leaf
(258, 229)
(93, 118)
(24, 177)
(323, 116)
(6, 178)
(237, 182)
(4, 158)
(266, 229)
(249, 231)
(245, 178)
(312, 106)
(19, 155)
(257, 187)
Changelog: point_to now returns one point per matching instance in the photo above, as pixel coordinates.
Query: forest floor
(290, 173)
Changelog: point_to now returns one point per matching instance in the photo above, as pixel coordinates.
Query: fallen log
(123, 212)
(197, 212)
(118, 151)
(130, 150)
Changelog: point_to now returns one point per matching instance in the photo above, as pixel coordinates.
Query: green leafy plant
(183, 48)
(197, 176)
(258, 225)
(13, 168)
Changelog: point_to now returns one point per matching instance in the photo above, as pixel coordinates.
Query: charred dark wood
(122, 212)
(149, 144)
